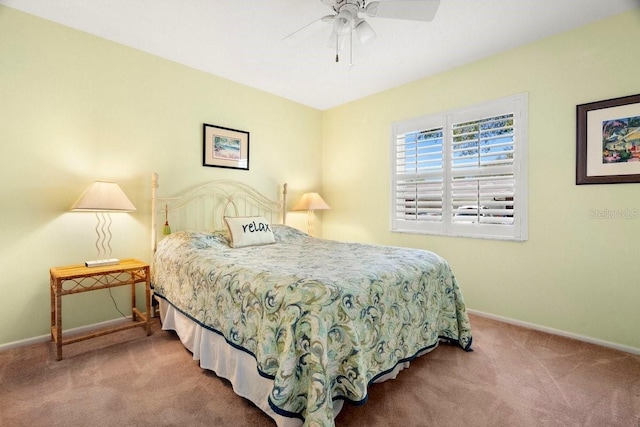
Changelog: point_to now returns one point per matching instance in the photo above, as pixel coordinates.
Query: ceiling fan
(346, 19)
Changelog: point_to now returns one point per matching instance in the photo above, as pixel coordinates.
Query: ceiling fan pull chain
(351, 49)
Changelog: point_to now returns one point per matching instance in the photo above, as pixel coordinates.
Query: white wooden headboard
(204, 207)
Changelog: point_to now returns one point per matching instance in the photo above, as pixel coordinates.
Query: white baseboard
(73, 331)
(109, 323)
(625, 348)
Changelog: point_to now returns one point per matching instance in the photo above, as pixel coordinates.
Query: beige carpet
(514, 377)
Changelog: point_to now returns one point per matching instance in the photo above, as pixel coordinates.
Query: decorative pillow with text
(249, 231)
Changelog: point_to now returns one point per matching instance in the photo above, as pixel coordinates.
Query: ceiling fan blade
(310, 26)
(412, 10)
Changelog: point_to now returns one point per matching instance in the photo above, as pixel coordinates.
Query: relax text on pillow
(249, 231)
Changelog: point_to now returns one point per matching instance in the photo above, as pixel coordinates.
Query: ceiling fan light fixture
(343, 22)
(364, 31)
(336, 42)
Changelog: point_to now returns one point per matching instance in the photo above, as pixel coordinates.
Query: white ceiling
(241, 40)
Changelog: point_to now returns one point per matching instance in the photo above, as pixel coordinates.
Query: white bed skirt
(239, 367)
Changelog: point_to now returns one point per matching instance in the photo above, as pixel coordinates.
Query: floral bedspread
(322, 318)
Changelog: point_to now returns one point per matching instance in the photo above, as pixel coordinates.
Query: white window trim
(516, 104)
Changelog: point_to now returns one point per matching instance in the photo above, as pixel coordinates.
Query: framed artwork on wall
(608, 141)
(225, 147)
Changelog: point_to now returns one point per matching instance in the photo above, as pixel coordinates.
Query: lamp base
(102, 262)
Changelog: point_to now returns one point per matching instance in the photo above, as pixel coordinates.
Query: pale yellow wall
(575, 273)
(75, 108)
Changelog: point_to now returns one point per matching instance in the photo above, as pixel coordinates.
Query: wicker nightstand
(73, 279)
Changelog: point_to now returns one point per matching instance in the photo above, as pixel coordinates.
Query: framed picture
(225, 148)
(608, 141)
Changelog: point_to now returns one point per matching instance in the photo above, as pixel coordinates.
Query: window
(462, 172)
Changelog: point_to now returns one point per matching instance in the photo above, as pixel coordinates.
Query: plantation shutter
(418, 188)
(482, 171)
(462, 173)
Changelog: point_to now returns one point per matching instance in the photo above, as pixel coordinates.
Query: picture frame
(225, 147)
(608, 141)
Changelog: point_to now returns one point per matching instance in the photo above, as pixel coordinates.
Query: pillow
(249, 231)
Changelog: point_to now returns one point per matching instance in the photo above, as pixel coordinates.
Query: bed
(297, 324)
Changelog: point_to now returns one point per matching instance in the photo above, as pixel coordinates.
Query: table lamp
(103, 198)
(311, 202)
